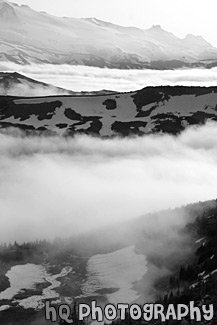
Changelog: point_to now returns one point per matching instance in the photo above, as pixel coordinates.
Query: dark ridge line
(212, 88)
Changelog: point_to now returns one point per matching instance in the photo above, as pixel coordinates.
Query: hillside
(16, 84)
(196, 280)
(150, 110)
(13, 83)
(103, 270)
(93, 42)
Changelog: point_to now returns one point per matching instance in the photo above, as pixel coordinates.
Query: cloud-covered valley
(83, 78)
(51, 186)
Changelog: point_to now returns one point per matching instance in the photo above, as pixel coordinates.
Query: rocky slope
(150, 110)
(195, 280)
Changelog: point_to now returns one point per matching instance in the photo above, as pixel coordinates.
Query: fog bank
(83, 78)
(31, 91)
(59, 187)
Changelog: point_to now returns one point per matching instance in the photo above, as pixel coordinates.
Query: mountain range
(150, 110)
(28, 36)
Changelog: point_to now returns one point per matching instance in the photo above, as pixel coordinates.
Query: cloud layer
(81, 78)
(59, 187)
(31, 91)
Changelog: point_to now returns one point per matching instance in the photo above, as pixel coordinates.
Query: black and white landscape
(93, 42)
(108, 165)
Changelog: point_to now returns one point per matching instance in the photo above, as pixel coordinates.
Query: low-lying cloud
(28, 91)
(31, 90)
(51, 186)
(82, 78)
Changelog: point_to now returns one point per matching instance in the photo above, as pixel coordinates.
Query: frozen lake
(114, 273)
(27, 277)
(117, 270)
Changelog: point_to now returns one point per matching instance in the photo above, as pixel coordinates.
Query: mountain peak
(114, 46)
(7, 11)
(191, 37)
(96, 21)
(196, 39)
(93, 19)
(156, 27)
(158, 31)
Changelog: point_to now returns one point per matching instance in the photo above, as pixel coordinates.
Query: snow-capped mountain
(30, 36)
(152, 109)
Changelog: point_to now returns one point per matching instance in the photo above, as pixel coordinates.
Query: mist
(83, 78)
(51, 186)
(31, 90)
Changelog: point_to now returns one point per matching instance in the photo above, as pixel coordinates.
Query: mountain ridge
(16, 84)
(164, 109)
(93, 42)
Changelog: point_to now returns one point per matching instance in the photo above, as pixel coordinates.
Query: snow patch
(27, 277)
(199, 240)
(4, 307)
(117, 270)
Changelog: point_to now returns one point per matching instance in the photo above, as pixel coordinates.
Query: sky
(180, 17)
